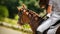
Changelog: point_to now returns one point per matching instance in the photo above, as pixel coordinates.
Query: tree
(3, 12)
(32, 5)
(11, 5)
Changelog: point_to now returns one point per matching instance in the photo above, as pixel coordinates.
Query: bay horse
(32, 18)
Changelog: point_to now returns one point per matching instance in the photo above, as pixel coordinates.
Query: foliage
(32, 5)
(16, 17)
(9, 2)
(11, 5)
(3, 12)
(10, 21)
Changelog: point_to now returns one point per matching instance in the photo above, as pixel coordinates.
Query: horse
(32, 18)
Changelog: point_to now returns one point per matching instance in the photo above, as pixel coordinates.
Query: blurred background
(9, 15)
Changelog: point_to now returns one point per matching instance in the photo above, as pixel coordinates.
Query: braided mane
(30, 17)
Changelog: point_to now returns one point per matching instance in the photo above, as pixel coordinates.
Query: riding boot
(37, 32)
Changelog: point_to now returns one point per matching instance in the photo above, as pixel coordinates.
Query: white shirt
(55, 6)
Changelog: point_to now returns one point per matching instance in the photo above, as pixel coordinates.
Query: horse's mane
(33, 19)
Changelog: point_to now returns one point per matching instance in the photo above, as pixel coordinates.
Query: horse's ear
(24, 6)
(18, 8)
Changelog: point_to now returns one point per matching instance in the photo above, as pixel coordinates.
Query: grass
(10, 21)
(13, 22)
(25, 28)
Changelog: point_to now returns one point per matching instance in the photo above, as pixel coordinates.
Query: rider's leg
(46, 24)
(37, 32)
(53, 30)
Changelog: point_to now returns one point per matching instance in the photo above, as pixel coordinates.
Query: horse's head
(30, 17)
(23, 16)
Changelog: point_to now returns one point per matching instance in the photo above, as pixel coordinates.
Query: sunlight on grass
(14, 22)
(16, 17)
(10, 21)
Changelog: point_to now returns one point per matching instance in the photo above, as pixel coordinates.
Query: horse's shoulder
(58, 30)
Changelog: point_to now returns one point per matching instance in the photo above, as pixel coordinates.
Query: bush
(3, 12)
(16, 17)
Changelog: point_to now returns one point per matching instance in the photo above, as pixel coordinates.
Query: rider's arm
(49, 9)
(46, 24)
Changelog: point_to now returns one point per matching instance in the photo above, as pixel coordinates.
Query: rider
(54, 6)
